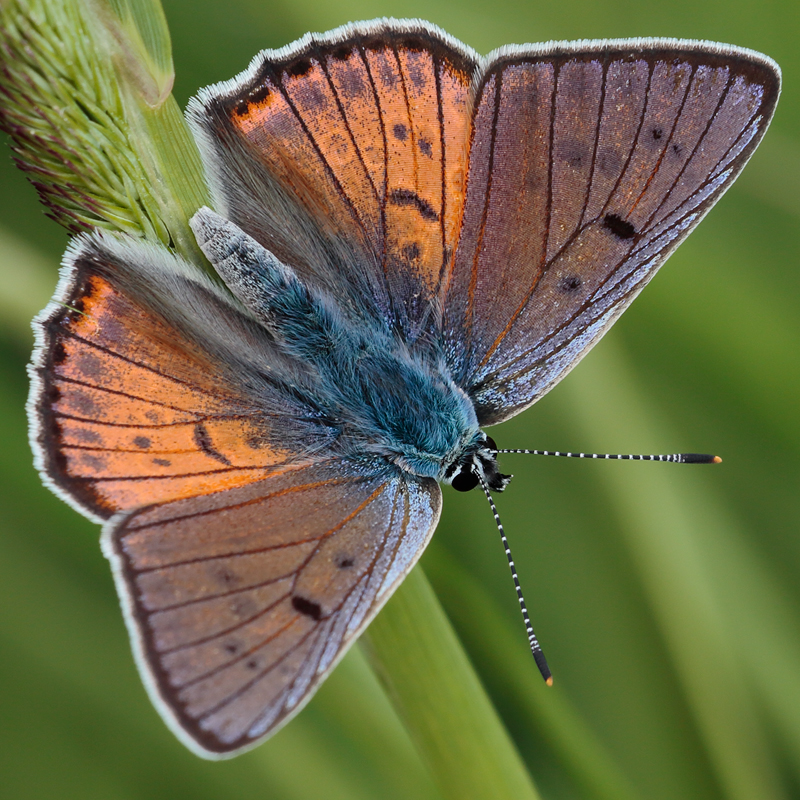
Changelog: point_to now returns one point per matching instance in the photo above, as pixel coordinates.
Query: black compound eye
(490, 443)
(465, 480)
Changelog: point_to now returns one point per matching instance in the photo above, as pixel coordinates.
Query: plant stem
(438, 695)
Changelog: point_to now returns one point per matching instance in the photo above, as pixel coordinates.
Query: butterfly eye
(465, 480)
(490, 443)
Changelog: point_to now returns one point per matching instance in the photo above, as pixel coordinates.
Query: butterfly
(413, 242)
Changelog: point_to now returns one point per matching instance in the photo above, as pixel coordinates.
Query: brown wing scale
(242, 600)
(624, 150)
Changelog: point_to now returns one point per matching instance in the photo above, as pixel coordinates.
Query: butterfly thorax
(399, 409)
(385, 400)
(393, 404)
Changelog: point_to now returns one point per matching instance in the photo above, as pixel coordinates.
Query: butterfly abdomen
(389, 402)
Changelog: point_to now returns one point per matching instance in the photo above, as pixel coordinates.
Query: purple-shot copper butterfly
(414, 242)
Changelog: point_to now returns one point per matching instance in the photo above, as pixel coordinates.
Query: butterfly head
(478, 462)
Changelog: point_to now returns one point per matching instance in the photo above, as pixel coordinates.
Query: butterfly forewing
(365, 131)
(240, 602)
(626, 146)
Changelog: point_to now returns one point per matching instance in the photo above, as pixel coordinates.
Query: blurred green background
(667, 598)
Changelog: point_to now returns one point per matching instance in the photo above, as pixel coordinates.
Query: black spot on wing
(412, 44)
(411, 252)
(400, 131)
(570, 283)
(59, 457)
(299, 68)
(52, 395)
(203, 441)
(307, 607)
(256, 96)
(88, 437)
(405, 197)
(142, 441)
(58, 354)
(226, 577)
(618, 226)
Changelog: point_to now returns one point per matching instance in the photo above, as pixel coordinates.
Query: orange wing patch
(414, 200)
(374, 135)
(134, 413)
(298, 123)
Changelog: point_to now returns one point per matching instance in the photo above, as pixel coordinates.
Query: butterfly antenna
(536, 648)
(674, 458)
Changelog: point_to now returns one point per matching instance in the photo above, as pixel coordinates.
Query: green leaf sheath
(439, 697)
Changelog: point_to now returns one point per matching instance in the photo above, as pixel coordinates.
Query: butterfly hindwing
(130, 405)
(344, 155)
(589, 164)
(241, 601)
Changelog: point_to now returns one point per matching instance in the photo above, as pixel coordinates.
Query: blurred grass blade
(755, 603)
(27, 279)
(502, 652)
(139, 29)
(659, 524)
(436, 692)
(774, 173)
(751, 362)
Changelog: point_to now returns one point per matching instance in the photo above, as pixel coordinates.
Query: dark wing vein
(600, 107)
(243, 504)
(443, 170)
(701, 139)
(340, 106)
(318, 150)
(549, 204)
(222, 633)
(473, 282)
(643, 115)
(664, 149)
(384, 198)
(138, 365)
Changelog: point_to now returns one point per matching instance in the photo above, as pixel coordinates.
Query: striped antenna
(536, 649)
(674, 458)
